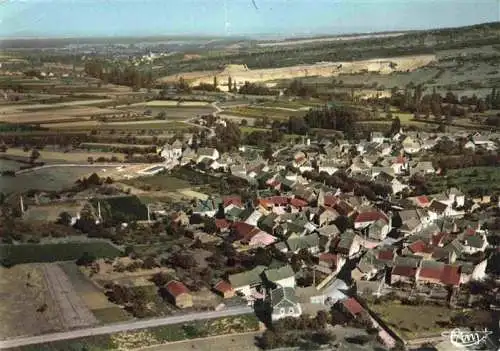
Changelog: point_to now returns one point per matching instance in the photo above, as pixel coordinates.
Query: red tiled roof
(450, 275)
(298, 202)
(223, 286)
(370, 216)
(235, 200)
(438, 238)
(278, 200)
(423, 200)
(400, 160)
(419, 246)
(387, 255)
(176, 288)
(330, 200)
(222, 223)
(242, 229)
(404, 271)
(328, 257)
(353, 306)
(431, 273)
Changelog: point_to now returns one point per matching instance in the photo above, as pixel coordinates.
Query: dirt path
(72, 309)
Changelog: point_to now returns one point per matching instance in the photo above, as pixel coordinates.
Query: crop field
(485, 179)
(125, 208)
(154, 336)
(12, 254)
(173, 112)
(65, 157)
(23, 291)
(125, 125)
(271, 113)
(94, 298)
(158, 182)
(54, 178)
(413, 322)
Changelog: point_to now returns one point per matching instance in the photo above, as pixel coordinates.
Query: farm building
(179, 294)
(224, 289)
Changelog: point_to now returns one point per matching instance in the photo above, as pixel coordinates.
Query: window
(282, 310)
(291, 310)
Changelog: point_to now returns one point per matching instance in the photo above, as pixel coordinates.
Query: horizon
(31, 19)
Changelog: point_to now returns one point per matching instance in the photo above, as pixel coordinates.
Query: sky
(84, 18)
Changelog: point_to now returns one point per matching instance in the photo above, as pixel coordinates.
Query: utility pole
(21, 203)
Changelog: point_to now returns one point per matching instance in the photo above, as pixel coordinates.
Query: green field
(11, 254)
(122, 208)
(158, 182)
(153, 336)
(270, 113)
(486, 179)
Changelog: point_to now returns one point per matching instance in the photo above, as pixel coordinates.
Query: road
(123, 327)
(94, 165)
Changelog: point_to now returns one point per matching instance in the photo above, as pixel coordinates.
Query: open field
(94, 298)
(271, 113)
(413, 322)
(125, 125)
(12, 254)
(158, 182)
(241, 73)
(54, 178)
(485, 179)
(72, 309)
(70, 157)
(154, 336)
(23, 290)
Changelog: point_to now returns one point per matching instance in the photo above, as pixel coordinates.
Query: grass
(467, 179)
(256, 112)
(130, 125)
(412, 322)
(64, 156)
(153, 336)
(12, 254)
(158, 182)
(112, 314)
(253, 129)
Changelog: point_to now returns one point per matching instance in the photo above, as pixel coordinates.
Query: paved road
(122, 327)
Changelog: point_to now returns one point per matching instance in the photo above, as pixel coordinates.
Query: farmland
(94, 298)
(473, 180)
(24, 290)
(12, 254)
(412, 322)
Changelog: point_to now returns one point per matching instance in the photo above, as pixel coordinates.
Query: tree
(229, 84)
(209, 225)
(268, 152)
(90, 159)
(395, 126)
(215, 82)
(64, 218)
(85, 259)
(35, 154)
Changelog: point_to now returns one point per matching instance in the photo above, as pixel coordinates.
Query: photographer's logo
(467, 338)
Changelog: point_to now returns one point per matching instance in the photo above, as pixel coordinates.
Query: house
(367, 218)
(308, 242)
(283, 276)
(377, 137)
(224, 289)
(349, 244)
(405, 269)
(172, 151)
(245, 283)
(351, 306)
(179, 294)
(207, 153)
(329, 231)
(284, 303)
(331, 261)
(326, 216)
(328, 166)
(475, 243)
(456, 197)
(410, 145)
(397, 186)
(379, 229)
(336, 291)
(423, 167)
